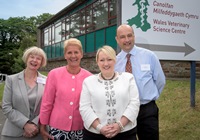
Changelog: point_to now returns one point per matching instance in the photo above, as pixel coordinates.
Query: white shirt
(109, 100)
(147, 71)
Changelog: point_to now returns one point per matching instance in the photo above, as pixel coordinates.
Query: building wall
(93, 22)
(172, 69)
(92, 39)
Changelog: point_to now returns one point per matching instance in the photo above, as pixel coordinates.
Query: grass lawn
(178, 121)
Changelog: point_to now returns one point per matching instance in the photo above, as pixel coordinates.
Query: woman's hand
(111, 130)
(30, 130)
(44, 133)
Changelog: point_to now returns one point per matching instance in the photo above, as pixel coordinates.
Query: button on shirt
(147, 71)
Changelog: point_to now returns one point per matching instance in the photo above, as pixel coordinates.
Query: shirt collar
(132, 52)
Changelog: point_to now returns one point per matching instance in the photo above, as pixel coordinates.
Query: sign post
(167, 27)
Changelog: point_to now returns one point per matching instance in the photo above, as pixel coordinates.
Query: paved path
(2, 119)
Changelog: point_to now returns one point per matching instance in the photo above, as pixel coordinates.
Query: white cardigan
(109, 100)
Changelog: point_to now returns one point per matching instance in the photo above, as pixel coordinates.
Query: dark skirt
(128, 135)
(66, 135)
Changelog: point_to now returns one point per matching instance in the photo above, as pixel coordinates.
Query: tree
(9, 41)
(17, 34)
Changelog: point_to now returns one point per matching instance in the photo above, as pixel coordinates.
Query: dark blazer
(15, 104)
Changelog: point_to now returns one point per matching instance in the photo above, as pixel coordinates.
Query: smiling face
(125, 37)
(34, 62)
(73, 55)
(106, 64)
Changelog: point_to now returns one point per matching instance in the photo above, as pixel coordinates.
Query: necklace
(109, 78)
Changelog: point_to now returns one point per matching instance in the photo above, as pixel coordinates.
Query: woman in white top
(109, 102)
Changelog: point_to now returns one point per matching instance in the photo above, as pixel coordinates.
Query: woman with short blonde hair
(74, 42)
(22, 98)
(109, 102)
(108, 51)
(35, 51)
(60, 103)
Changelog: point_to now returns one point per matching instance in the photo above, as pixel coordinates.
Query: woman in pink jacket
(60, 103)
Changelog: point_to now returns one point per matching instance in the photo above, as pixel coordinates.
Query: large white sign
(170, 28)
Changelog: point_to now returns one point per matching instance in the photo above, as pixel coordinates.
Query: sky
(28, 8)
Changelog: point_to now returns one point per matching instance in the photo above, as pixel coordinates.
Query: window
(75, 24)
(53, 35)
(91, 22)
(97, 15)
(58, 32)
(112, 12)
(82, 22)
(46, 37)
(63, 31)
(67, 28)
(100, 14)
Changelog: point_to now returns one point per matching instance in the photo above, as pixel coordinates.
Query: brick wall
(179, 69)
(172, 69)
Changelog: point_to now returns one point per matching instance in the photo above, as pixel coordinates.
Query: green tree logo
(140, 20)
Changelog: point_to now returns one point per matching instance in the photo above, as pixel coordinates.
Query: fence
(2, 77)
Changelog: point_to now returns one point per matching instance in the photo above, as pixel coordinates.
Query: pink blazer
(60, 102)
